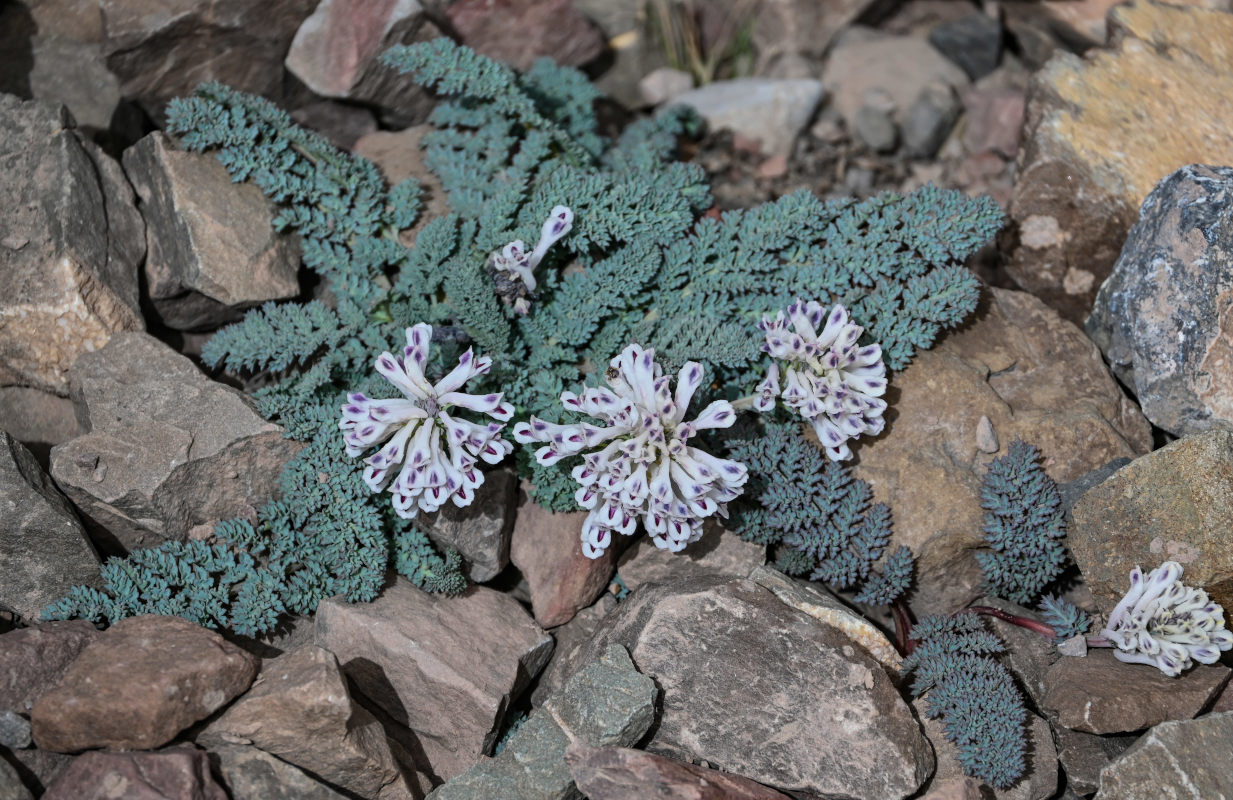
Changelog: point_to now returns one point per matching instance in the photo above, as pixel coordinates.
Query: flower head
(640, 465)
(413, 429)
(514, 259)
(827, 379)
(1163, 622)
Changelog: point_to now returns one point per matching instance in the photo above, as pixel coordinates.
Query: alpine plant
(640, 465)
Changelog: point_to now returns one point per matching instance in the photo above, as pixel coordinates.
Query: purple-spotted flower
(827, 378)
(514, 258)
(640, 466)
(1163, 622)
(428, 455)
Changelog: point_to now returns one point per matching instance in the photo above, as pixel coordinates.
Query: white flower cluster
(514, 259)
(432, 471)
(641, 465)
(1163, 622)
(828, 380)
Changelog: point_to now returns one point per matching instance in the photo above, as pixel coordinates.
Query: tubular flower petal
(827, 379)
(1163, 622)
(639, 466)
(427, 456)
(520, 264)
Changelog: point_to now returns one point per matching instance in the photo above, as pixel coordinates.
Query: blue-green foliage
(825, 519)
(982, 712)
(1024, 524)
(1066, 619)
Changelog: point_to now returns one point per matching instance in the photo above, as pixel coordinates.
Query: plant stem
(903, 628)
(1043, 629)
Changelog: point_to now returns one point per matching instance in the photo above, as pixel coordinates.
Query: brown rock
(1173, 504)
(569, 638)
(177, 772)
(446, 667)
(718, 552)
(1084, 755)
(342, 124)
(993, 119)
(39, 420)
(139, 684)
(300, 710)
(1186, 758)
(1034, 376)
(211, 250)
(520, 31)
(1100, 694)
(1087, 165)
(70, 243)
(398, 155)
(1040, 777)
(955, 789)
(481, 531)
(620, 773)
(547, 549)
(168, 448)
(34, 659)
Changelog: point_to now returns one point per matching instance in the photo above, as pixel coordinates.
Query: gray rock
(1074, 647)
(70, 243)
(1071, 491)
(974, 42)
(211, 250)
(718, 552)
(929, 120)
(1084, 755)
(772, 111)
(481, 531)
(11, 787)
(792, 36)
(341, 123)
(44, 550)
(1160, 318)
(39, 768)
(14, 730)
(168, 451)
(253, 774)
(1190, 759)
(39, 420)
(608, 702)
(622, 773)
(568, 638)
(664, 84)
(874, 123)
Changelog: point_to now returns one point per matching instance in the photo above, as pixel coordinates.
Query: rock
(1224, 701)
(1084, 755)
(568, 638)
(69, 286)
(211, 250)
(1040, 778)
(664, 84)
(1071, 491)
(1161, 317)
(874, 123)
(547, 549)
(446, 667)
(1100, 694)
(520, 31)
(1188, 758)
(974, 42)
(44, 550)
(994, 118)
(38, 768)
(139, 684)
(1086, 166)
(774, 112)
(955, 789)
(11, 787)
(1074, 647)
(718, 552)
(39, 420)
(1171, 505)
(620, 773)
(162, 49)
(762, 690)
(929, 120)
(168, 448)
(14, 730)
(480, 532)
(292, 632)
(335, 53)
(633, 50)
(34, 659)
(787, 32)
(300, 710)
(177, 772)
(901, 66)
(608, 703)
(252, 774)
(1073, 25)
(342, 124)
(1033, 375)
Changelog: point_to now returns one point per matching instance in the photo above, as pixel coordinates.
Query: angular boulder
(1189, 758)
(39, 420)
(181, 771)
(718, 552)
(568, 638)
(622, 773)
(34, 659)
(480, 532)
(774, 112)
(520, 31)
(253, 774)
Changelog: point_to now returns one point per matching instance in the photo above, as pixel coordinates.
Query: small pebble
(986, 437)
(1075, 646)
(14, 730)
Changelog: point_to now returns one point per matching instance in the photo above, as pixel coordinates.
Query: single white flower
(514, 258)
(437, 451)
(640, 465)
(1163, 622)
(827, 379)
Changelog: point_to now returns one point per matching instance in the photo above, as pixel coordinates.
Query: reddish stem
(903, 628)
(1044, 630)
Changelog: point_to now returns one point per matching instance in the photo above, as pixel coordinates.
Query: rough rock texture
(547, 549)
(139, 684)
(718, 552)
(252, 774)
(1087, 164)
(1084, 755)
(762, 690)
(993, 119)
(34, 659)
(1183, 759)
(1163, 318)
(39, 420)
(14, 730)
(300, 710)
(1173, 504)
(168, 448)
(446, 667)
(1099, 694)
(162, 49)
(569, 637)
(44, 550)
(520, 31)
(774, 112)
(973, 42)
(608, 703)
(621, 773)
(211, 250)
(1033, 375)
(177, 772)
(956, 789)
(1040, 777)
(38, 768)
(70, 243)
(791, 36)
(335, 53)
(11, 787)
(480, 532)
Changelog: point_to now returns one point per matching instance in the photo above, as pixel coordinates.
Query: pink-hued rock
(139, 684)
(34, 659)
(994, 119)
(622, 773)
(718, 552)
(520, 31)
(182, 773)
